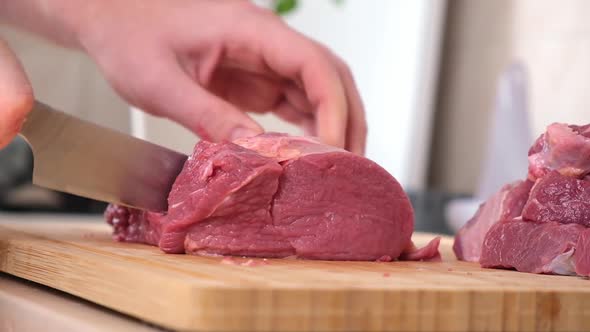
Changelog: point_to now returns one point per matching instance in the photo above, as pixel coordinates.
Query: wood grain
(211, 294)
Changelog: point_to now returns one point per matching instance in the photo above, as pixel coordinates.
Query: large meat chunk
(277, 196)
(549, 247)
(546, 231)
(562, 148)
(556, 197)
(506, 204)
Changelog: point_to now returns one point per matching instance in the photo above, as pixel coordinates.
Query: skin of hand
(16, 94)
(206, 63)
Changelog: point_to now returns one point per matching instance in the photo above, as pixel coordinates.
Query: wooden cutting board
(215, 294)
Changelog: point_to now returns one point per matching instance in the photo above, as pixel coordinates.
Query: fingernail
(241, 132)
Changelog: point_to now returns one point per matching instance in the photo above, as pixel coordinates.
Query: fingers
(16, 95)
(295, 57)
(176, 96)
(326, 81)
(296, 109)
(289, 113)
(356, 133)
(247, 91)
(356, 136)
(297, 98)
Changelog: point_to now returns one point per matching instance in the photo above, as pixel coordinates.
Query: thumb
(16, 95)
(184, 101)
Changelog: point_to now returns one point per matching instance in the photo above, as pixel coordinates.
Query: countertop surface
(29, 307)
(26, 306)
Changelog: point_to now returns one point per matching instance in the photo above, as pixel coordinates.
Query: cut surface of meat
(559, 198)
(562, 148)
(506, 204)
(276, 195)
(533, 247)
(218, 182)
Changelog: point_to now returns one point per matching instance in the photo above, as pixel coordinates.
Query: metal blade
(84, 159)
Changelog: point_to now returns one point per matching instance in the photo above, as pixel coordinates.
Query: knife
(84, 159)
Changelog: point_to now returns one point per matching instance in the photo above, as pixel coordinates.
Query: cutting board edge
(259, 309)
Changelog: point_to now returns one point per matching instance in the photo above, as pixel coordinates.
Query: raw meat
(543, 229)
(582, 256)
(548, 247)
(563, 148)
(134, 225)
(428, 253)
(556, 197)
(277, 196)
(506, 204)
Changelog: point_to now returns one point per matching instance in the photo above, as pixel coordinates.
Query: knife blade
(84, 159)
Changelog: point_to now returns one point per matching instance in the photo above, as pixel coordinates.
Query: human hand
(16, 95)
(204, 63)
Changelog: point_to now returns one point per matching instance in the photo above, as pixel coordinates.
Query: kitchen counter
(29, 307)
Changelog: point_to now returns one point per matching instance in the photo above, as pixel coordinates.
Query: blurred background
(441, 120)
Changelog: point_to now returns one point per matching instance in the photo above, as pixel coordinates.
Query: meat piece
(218, 182)
(559, 198)
(338, 205)
(563, 148)
(546, 229)
(582, 255)
(132, 225)
(428, 253)
(506, 204)
(277, 196)
(549, 247)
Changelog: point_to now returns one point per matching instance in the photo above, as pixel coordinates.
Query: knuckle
(346, 71)
(258, 10)
(245, 5)
(317, 56)
(338, 61)
(250, 8)
(342, 66)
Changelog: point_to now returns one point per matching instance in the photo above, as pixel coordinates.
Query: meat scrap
(278, 196)
(428, 253)
(540, 224)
